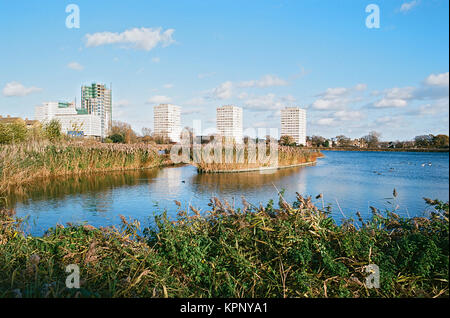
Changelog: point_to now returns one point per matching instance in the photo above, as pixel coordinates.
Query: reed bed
(27, 162)
(284, 250)
(287, 156)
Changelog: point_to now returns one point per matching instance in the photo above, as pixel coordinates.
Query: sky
(261, 55)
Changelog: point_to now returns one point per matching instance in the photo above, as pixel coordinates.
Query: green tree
(287, 140)
(117, 138)
(52, 130)
(440, 141)
(13, 132)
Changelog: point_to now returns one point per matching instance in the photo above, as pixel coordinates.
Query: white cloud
(159, 99)
(156, 60)
(400, 93)
(75, 66)
(361, 87)
(195, 101)
(390, 121)
(265, 81)
(390, 103)
(407, 6)
(434, 87)
(347, 115)
(329, 104)
(191, 111)
(338, 97)
(17, 89)
(325, 121)
(333, 92)
(437, 79)
(263, 103)
(168, 85)
(138, 38)
(223, 91)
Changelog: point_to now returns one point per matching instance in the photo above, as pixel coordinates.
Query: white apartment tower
(167, 121)
(97, 99)
(229, 122)
(293, 123)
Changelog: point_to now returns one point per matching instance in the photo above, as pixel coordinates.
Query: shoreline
(260, 169)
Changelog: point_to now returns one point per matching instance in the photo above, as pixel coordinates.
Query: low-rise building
(74, 122)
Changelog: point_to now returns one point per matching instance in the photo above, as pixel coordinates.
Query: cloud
(138, 38)
(437, 79)
(223, 91)
(390, 121)
(156, 60)
(226, 89)
(265, 81)
(390, 103)
(191, 111)
(438, 107)
(75, 66)
(268, 102)
(338, 97)
(349, 115)
(159, 99)
(263, 103)
(17, 89)
(407, 6)
(434, 87)
(360, 87)
(168, 85)
(325, 121)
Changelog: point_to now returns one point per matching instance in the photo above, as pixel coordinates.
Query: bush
(52, 130)
(12, 133)
(117, 138)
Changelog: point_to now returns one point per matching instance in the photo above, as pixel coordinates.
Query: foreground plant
(287, 251)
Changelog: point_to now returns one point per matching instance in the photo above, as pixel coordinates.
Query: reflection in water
(243, 181)
(355, 180)
(95, 186)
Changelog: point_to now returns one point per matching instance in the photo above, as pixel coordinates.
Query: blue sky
(261, 55)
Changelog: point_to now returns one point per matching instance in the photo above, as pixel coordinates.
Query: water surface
(349, 181)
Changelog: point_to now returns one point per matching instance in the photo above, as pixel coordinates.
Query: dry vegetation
(287, 156)
(23, 163)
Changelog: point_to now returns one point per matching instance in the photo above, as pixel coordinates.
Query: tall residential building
(229, 122)
(167, 121)
(97, 99)
(293, 123)
(73, 121)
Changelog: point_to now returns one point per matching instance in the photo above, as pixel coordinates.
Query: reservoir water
(349, 181)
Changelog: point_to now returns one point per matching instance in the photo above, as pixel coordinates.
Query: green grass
(279, 250)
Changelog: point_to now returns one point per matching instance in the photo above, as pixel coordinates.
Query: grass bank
(27, 162)
(284, 250)
(245, 159)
